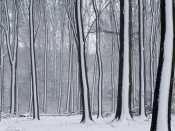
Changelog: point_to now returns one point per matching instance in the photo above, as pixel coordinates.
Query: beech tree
(161, 119)
(82, 64)
(12, 53)
(123, 108)
(33, 63)
(141, 60)
(2, 56)
(99, 58)
(45, 59)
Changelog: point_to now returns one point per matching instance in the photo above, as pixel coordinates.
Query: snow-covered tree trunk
(1, 75)
(120, 75)
(151, 73)
(83, 71)
(62, 24)
(151, 57)
(161, 105)
(1, 36)
(77, 87)
(45, 72)
(123, 111)
(134, 82)
(33, 63)
(30, 102)
(69, 92)
(13, 90)
(99, 60)
(2, 55)
(94, 83)
(12, 53)
(45, 60)
(130, 52)
(142, 112)
(112, 22)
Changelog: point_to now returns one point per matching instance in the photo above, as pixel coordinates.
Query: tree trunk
(33, 63)
(30, 103)
(12, 54)
(69, 92)
(13, 89)
(81, 54)
(45, 72)
(61, 64)
(1, 77)
(123, 111)
(112, 22)
(162, 95)
(94, 83)
(99, 60)
(1, 64)
(121, 59)
(142, 112)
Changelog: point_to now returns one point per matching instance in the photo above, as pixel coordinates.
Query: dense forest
(90, 58)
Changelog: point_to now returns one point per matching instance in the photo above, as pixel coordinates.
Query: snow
(67, 123)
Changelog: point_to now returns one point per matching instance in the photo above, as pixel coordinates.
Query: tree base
(87, 121)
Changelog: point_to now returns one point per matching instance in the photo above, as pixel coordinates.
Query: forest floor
(72, 123)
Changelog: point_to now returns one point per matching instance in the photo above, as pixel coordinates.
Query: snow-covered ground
(72, 123)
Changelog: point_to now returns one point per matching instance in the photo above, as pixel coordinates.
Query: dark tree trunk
(86, 115)
(159, 71)
(130, 57)
(172, 77)
(162, 58)
(121, 58)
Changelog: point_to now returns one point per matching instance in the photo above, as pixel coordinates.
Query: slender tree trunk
(123, 111)
(2, 74)
(33, 63)
(61, 64)
(99, 60)
(30, 103)
(45, 60)
(1, 63)
(78, 88)
(113, 56)
(12, 54)
(130, 57)
(142, 112)
(69, 92)
(45, 72)
(151, 58)
(14, 62)
(86, 116)
(94, 83)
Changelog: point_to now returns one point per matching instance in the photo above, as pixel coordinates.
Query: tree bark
(33, 63)
(99, 60)
(86, 116)
(12, 54)
(163, 90)
(123, 108)
(142, 112)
